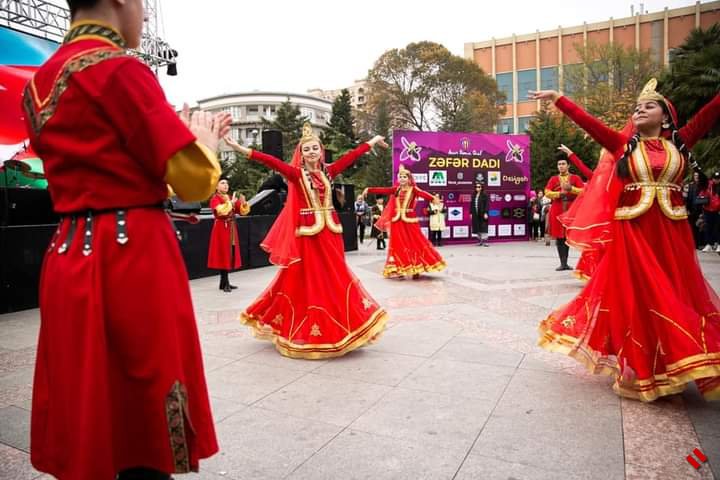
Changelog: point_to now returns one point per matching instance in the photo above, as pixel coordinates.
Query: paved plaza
(455, 389)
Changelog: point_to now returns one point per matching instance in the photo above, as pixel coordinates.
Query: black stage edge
(22, 248)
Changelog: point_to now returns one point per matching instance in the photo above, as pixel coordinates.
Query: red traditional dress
(647, 316)
(315, 307)
(588, 258)
(410, 252)
(119, 378)
(561, 201)
(224, 252)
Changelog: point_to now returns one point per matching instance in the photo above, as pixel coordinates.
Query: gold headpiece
(649, 94)
(404, 170)
(307, 134)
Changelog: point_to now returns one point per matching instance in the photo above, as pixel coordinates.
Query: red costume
(410, 252)
(315, 307)
(561, 201)
(224, 252)
(647, 316)
(119, 379)
(588, 258)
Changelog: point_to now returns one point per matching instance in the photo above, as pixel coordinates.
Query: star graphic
(367, 303)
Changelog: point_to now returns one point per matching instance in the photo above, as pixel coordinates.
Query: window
(505, 126)
(504, 83)
(549, 78)
(524, 124)
(236, 112)
(252, 110)
(572, 78)
(361, 99)
(526, 82)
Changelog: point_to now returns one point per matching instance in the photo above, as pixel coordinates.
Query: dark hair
(223, 178)
(623, 166)
(75, 5)
(560, 156)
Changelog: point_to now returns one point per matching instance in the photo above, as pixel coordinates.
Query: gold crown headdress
(649, 93)
(308, 135)
(404, 170)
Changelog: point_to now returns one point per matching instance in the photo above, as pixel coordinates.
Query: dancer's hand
(543, 95)
(236, 146)
(485, 216)
(364, 193)
(234, 198)
(565, 150)
(567, 187)
(206, 129)
(221, 123)
(378, 140)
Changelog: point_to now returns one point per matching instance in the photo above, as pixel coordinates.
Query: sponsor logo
(438, 178)
(494, 197)
(480, 177)
(494, 179)
(451, 196)
(455, 214)
(491, 231)
(519, 198)
(515, 179)
(410, 151)
(519, 229)
(464, 197)
(515, 153)
(420, 177)
(505, 213)
(446, 232)
(518, 212)
(460, 232)
(460, 176)
(504, 230)
(494, 213)
(465, 143)
(508, 197)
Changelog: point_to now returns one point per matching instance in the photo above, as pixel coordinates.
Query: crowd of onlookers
(702, 200)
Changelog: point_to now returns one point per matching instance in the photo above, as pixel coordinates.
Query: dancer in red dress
(119, 383)
(410, 253)
(224, 252)
(315, 307)
(647, 316)
(588, 258)
(562, 189)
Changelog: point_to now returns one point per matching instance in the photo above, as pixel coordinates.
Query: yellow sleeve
(170, 191)
(576, 190)
(193, 172)
(224, 209)
(244, 208)
(551, 194)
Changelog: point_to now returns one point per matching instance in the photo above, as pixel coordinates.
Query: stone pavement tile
(272, 358)
(248, 382)
(704, 415)
(421, 338)
(212, 362)
(370, 366)
(326, 399)
(545, 361)
(356, 455)
(642, 472)
(430, 418)
(492, 468)
(259, 444)
(16, 387)
(15, 427)
(659, 435)
(11, 360)
(18, 338)
(221, 408)
(15, 465)
(460, 379)
(467, 349)
(203, 475)
(234, 347)
(556, 422)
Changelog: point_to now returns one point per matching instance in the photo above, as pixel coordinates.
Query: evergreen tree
(378, 171)
(290, 122)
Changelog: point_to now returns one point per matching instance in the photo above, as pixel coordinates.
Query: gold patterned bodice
(317, 192)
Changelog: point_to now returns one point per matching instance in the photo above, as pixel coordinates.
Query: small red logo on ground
(700, 455)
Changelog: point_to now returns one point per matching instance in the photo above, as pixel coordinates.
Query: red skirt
(647, 316)
(119, 379)
(316, 308)
(586, 265)
(409, 252)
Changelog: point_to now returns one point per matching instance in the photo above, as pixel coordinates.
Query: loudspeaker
(343, 197)
(266, 202)
(329, 156)
(26, 206)
(177, 205)
(272, 143)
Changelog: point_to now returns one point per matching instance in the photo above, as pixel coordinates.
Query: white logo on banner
(508, 197)
(491, 231)
(420, 177)
(461, 232)
(446, 232)
(438, 178)
(504, 230)
(455, 214)
(494, 179)
(519, 198)
(519, 229)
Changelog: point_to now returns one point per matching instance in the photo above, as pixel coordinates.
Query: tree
(340, 131)
(378, 171)
(608, 79)
(290, 122)
(426, 86)
(692, 80)
(244, 175)
(547, 131)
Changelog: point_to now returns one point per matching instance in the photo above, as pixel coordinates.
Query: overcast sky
(229, 46)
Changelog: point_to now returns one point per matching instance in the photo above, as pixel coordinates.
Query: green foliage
(290, 122)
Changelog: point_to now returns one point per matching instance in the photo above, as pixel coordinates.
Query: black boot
(224, 281)
(560, 250)
(142, 474)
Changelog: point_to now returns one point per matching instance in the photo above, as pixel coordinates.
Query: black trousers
(436, 237)
(142, 474)
(563, 251)
(361, 231)
(224, 277)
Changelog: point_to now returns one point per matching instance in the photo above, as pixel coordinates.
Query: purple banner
(449, 163)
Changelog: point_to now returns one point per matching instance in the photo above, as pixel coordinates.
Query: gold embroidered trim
(176, 412)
